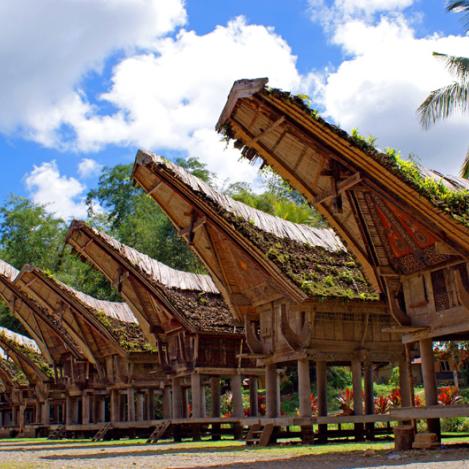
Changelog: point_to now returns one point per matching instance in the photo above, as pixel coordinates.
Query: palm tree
(443, 102)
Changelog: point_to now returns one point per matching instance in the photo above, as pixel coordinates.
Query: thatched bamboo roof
(116, 319)
(314, 259)
(25, 353)
(191, 299)
(45, 328)
(10, 374)
(286, 133)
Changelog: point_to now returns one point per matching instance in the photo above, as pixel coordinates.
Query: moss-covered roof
(117, 318)
(313, 258)
(193, 296)
(447, 193)
(13, 371)
(26, 347)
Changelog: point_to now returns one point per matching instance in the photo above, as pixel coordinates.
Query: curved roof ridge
(167, 276)
(8, 270)
(320, 237)
(20, 339)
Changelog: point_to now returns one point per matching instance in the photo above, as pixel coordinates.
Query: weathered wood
(253, 397)
(429, 381)
(271, 391)
(304, 388)
(237, 399)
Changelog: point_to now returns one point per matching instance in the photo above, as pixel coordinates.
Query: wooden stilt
(177, 411)
(237, 403)
(357, 395)
(215, 410)
(304, 392)
(369, 399)
(429, 382)
(253, 397)
(321, 385)
(140, 407)
(166, 402)
(131, 405)
(85, 399)
(45, 413)
(196, 391)
(115, 406)
(271, 391)
(68, 411)
(404, 383)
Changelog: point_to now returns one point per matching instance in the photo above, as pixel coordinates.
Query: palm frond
(458, 66)
(443, 102)
(460, 6)
(464, 171)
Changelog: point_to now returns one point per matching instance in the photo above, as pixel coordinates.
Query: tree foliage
(445, 101)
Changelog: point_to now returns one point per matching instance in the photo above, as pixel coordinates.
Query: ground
(41, 453)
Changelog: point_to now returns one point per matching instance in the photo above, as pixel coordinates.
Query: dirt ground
(44, 454)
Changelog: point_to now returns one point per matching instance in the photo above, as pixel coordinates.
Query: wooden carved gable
(410, 247)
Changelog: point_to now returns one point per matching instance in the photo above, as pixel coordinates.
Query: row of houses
(391, 272)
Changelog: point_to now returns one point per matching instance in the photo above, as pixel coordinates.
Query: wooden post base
(307, 435)
(322, 433)
(359, 431)
(404, 437)
(216, 432)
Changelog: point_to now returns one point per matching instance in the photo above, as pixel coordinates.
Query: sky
(85, 83)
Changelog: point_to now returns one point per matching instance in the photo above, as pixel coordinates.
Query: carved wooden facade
(182, 313)
(412, 249)
(407, 225)
(300, 294)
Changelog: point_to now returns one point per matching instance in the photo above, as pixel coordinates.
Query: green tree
(445, 101)
(278, 199)
(136, 220)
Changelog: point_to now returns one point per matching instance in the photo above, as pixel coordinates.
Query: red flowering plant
(382, 404)
(314, 404)
(449, 395)
(418, 401)
(395, 398)
(346, 398)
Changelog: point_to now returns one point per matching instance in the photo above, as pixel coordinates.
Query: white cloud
(61, 195)
(48, 46)
(88, 167)
(389, 72)
(170, 97)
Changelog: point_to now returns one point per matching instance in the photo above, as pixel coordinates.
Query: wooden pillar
(429, 382)
(85, 408)
(140, 401)
(115, 406)
(177, 411)
(196, 391)
(369, 398)
(404, 383)
(357, 395)
(271, 391)
(204, 400)
(21, 410)
(68, 410)
(321, 386)
(215, 410)
(151, 404)
(131, 405)
(101, 408)
(166, 402)
(253, 397)
(236, 391)
(304, 388)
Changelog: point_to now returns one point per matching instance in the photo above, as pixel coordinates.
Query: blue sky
(88, 82)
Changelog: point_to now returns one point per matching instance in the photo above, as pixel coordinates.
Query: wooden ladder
(260, 435)
(58, 433)
(159, 431)
(101, 433)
